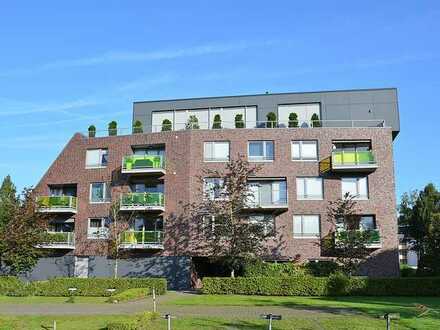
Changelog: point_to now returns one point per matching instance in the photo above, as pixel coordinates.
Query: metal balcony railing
(142, 239)
(142, 200)
(57, 203)
(353, 160)
(139, 163)
(373, 236)
(60, 240)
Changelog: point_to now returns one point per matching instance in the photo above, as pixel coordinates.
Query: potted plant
(112, 128)
(315, 121)
(271, 118)
(293, 119)
(192, 123)
(92, 131)
(239, 123)
(137, 127)
(166, 125)
(217, 124)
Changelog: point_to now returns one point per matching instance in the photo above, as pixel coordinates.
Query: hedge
(140, 322)
(131, 294)
(58, 287)
(322, 286)
(273, 269)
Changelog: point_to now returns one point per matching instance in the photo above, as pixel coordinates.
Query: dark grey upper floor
(359, 108)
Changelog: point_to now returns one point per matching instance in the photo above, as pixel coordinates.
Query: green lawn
(51, 300)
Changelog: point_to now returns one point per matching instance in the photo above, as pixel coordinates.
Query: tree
(227, 234)
(166, 125)
(349, 246)
(112, 128)
(92, 131)
(293, 119)
(192, 123)
(315, 120)
(217, 124)
(137, 127)
(239, 123)
(271, 120)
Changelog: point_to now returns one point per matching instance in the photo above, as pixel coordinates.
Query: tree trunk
(115, 270)
(232, 273)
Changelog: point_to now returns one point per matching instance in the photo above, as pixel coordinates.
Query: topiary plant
(293, 119)
(92, 131)
(192, 123)
(112, 128)
(239, 123)
(166, 125)
(217, 124)
(137, 127)
(271, 118)
(315, 121)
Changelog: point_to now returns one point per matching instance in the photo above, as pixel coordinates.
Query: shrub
(315, 120)
(239, 123)
(321, 267)
(192, 123)
(137, 127)
(166, 125)
(217, 124)
(92, 131)
(338, 284)
(272, 269)
(131, 294)
(123, 325)
(406, 271)
(271, 120)
(293, 119)
(140, 322)
(12, 286)
(112, 128)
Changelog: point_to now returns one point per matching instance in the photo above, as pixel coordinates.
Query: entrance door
(82, 267)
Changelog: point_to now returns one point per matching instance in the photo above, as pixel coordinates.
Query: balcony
(57, 204)
(374, 241)
(143, 164)
(142, 202)
(142, 240)
(353, 161)
(58, 240)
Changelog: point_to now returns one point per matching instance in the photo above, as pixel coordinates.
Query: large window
(304, 150)
(367, 222)
(260, 151)
(216, 151)
(306, 226)
(266, 221)
(355, 187)
(310, 188)
(214, 188)
(99, 192)
(96, 158)
(98, 228)
(267, 192)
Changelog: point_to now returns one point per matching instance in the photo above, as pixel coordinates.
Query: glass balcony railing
(373, 238)
(142, 163)
(142, 200)
(60, 240)
(353, 159)
(57, 203)
(142, 239)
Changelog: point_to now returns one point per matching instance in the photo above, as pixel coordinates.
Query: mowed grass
(51, 300)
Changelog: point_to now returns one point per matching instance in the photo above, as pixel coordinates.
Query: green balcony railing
(373, 236)
(57, 202)
(60, 239)
(353, 158)
(142, 237)
(142, 199)
(139, 162)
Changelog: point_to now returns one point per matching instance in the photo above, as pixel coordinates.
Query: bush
(192, 123)
(272, 269)
(315, 120)
(239, 123)
(321, 267)
(92, 131)
(271, 120)
(112, 128)
(406, 271)
(166, 125)
(131, 294)
(293, 120)
(137, 127)
(217, 124)
(123, 325)
(307, 285)
(12, 286)
(140, 322)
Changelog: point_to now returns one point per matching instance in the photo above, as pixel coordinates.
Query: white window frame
(101, 152)
(210, 193)
(300, 143)
(268, 226)
(106, 192)
(214, 159)
(102, 233)
(261, 159)
(302, 234)
(305, 196)
(357, 196)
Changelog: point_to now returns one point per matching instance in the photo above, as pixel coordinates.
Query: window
(304, 150)
(216, 151)
(99, 192)
(356, 187)
(61, 227)
(309, 188)
(362, 222)
(214, 188)
(266, 221)
(98, 228)
(306, 226)
(260, 151)
(266, 193)
(96, 158)
(367, 222)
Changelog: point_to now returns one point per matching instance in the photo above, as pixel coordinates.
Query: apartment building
(336, 142)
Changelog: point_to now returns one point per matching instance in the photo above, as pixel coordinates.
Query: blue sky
(66, 65)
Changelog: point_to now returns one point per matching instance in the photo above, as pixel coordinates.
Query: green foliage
(137, 127)
(140, 322)
(112, 128)
(217, 124)
(192, 123)
(271, 269)
(123, 325)
(315, 120)
(239, 123)
(271, 118)
(92, 131)
(307, 285)
(131, 294)
(406, 271)
(293, 119)
(166, 125)
(321, 267)
(12, 286)
(8, 201)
